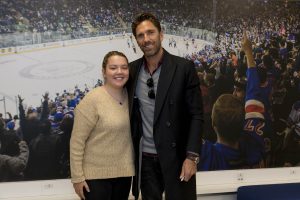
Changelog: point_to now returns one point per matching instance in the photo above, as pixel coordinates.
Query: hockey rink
(31, 74)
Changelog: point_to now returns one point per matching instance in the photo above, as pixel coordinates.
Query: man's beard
(154, 51)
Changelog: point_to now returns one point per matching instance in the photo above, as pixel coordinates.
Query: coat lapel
(134, 68)
(165, 78)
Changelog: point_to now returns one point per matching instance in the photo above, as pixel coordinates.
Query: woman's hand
(79, 188)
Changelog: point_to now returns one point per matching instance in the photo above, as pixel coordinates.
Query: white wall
(215, 185)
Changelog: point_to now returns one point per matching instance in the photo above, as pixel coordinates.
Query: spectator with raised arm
(239, 127)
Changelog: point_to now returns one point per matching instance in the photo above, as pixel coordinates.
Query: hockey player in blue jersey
(239, 129)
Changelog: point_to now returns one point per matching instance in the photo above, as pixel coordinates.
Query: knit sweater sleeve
(85, 121)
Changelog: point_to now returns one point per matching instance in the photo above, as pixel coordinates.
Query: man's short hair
(228, 116)
(145, 17)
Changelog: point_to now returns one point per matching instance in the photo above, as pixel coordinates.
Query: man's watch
(193, 158)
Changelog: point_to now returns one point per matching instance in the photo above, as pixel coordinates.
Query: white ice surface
(31, 74)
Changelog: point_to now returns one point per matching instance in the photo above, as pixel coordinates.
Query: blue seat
(287, 191)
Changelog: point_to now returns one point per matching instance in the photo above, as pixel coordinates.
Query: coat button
(171, 102)
(168, 124)
(173, 145)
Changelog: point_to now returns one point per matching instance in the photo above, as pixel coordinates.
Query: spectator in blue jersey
(239, 132)
(224, 154)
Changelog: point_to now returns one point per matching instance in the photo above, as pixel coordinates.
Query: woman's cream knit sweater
(101, 145)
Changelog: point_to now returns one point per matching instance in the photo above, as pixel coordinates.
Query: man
(240, 84)
(166, 117)
(238, 121)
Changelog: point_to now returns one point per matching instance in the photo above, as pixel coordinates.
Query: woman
(101, 151)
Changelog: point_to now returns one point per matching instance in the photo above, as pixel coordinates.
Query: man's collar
(145, 64)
